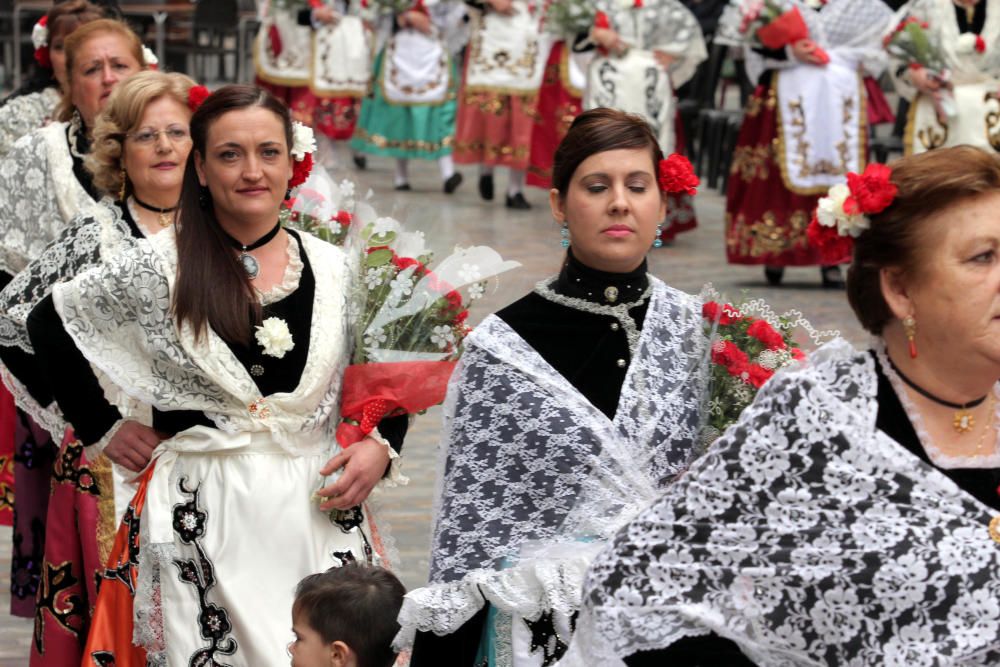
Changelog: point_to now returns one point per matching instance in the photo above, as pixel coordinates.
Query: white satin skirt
(243, 531)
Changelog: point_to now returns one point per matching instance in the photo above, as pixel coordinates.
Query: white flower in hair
(830, 212)
(273, 335)
(40, 35)
(303, 141)
(149, 57)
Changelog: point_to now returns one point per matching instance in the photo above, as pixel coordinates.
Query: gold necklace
(989, 426)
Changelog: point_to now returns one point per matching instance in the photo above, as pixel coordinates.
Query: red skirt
(558, 106)
(765, 221)
(78, 534)
(8, 416)
(494, 128)
(335, 117)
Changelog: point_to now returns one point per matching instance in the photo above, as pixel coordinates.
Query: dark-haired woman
(235, 335)
(43, 184)
(34, 104)
(568, 406)
(850, 517)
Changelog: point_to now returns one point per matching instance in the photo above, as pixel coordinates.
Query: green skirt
(424, 131)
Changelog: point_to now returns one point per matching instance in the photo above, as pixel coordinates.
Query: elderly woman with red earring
(851, 515)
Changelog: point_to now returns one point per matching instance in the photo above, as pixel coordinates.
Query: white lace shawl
(852, 29)
(25, 113)
(39, 194)
(662, 25)
(529, 465)
(965, 68)
(119, 316)
(808, 538)
(98, 234)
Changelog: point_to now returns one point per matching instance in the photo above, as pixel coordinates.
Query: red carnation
(343, 217)
(637, 4)
(766, 334)
(461, 318)
(601, 21)
(871, 192)
(454, 300)
(980, 44)
(797, 354)
(728, 355)
(197, 95)
(833, 248)
(723, 314)
(403, 263)
(300, 170)
(677, 175)
(759, 375)
(42, 57)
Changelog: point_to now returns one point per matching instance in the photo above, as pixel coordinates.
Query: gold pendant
(963, 422)
(166, 219)
(995, 529)
(611, 294)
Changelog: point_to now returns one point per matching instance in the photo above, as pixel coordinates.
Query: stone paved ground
(532, 239)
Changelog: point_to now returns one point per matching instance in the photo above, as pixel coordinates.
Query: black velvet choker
(583, 282)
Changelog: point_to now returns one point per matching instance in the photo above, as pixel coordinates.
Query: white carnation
(39, 36)
(966, 43)
(303, 141)
(273, 335)
(149, 57)
(830, 212)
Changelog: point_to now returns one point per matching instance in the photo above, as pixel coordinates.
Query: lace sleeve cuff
(394, 475)
(96, 449)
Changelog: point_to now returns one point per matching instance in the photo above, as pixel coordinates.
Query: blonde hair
(122, 115)
(81, 36)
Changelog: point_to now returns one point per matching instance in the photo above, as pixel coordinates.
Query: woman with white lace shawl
(43, 184)
(967, 36)
(141, 144)
(568, 405)
(233, 330)
(850, 517)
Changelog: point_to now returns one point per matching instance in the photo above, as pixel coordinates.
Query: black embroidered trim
(103, 658)
(544, 638)
(69, 611)
(26, 570)
(125, 572)
(189, 524)
(68, 469)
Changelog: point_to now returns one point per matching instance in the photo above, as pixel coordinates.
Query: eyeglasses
(176, 135)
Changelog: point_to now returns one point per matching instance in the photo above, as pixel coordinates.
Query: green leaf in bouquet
(379, 257)
(921, 45)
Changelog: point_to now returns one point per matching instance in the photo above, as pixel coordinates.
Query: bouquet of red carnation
(774, 27)
(911, 43)
(322, 208)
(746, 352)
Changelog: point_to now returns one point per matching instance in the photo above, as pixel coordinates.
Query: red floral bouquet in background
(750, 343)
(774, 27)
(322, 208)
(842, 215)
(911, 43)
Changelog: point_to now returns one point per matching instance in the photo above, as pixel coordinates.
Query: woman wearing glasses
(141, 142)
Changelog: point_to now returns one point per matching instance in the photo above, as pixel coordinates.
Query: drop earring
(910, 328)
(564, 232)
(658, 242)
(122, 189)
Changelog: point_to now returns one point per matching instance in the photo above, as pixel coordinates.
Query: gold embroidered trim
(750, 162)
(445, 64)
(564, 72)
(365, 86)
(501, 59)
(267, 76)
(767, 236)
(106, 526)
(380, 141)
(801, 137)
(491, 150)
(928, 137)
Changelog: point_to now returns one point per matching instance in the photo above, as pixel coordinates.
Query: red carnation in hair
(871, 192)
(677, 175)
(300, 171)
(833, 248)
(197, 95)
(42, 57)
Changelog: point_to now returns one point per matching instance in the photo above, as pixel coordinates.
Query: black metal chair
(213, 37)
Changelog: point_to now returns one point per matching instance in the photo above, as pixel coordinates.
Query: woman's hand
(505, 7)
(364, 464)
(607, 39)
(924, 81)
(325, 15)
(663, 59)
(806, 51)
(132, 445)
(416, 20)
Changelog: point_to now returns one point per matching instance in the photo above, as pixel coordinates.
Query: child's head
(346, 617)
